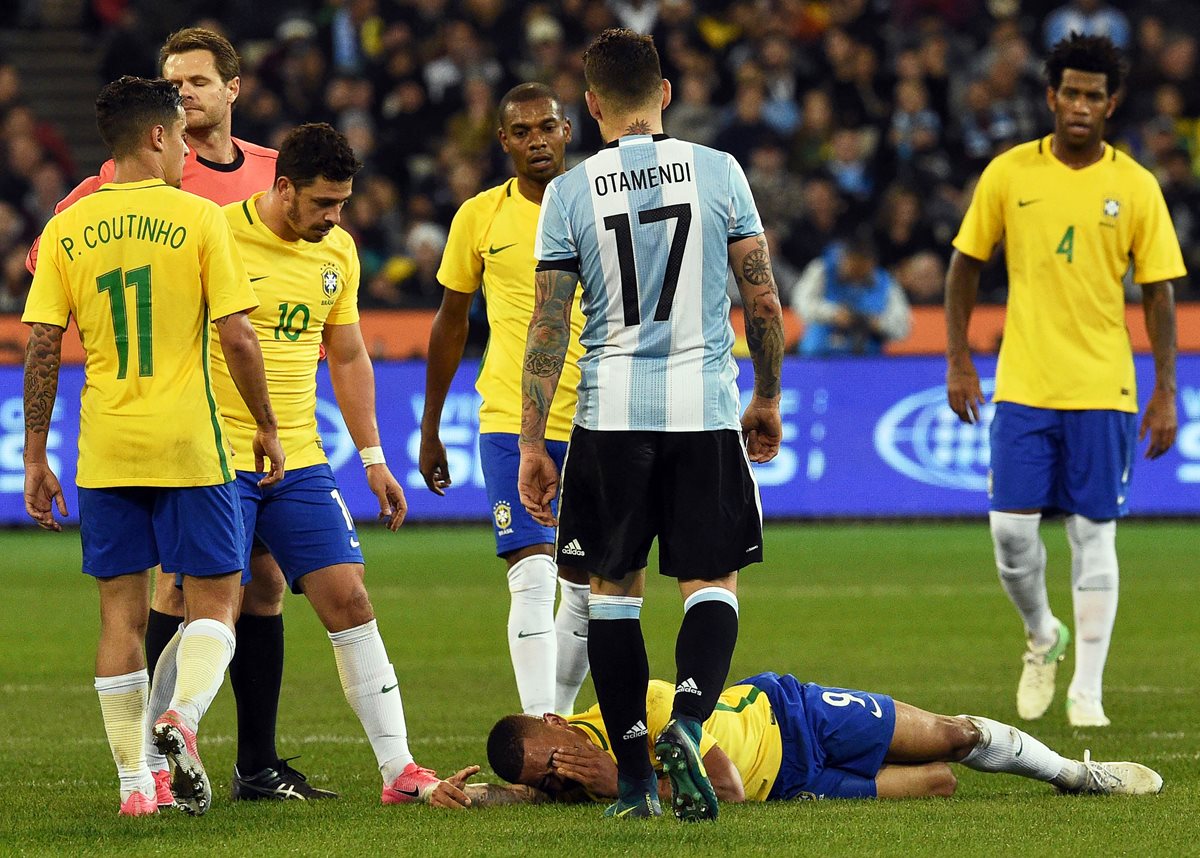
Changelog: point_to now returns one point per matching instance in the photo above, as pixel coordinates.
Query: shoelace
(1099, 775)
(285, 769)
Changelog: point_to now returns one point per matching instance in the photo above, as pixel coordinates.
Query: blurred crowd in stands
(849, 116)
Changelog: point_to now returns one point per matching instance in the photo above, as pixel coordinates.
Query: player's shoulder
(253, 150)
(340, 241)
(489, 200)
(1129, 169)
(1031, 153)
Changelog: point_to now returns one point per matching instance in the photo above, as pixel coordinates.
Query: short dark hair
(1095, 54)
(313, 151)
(129, 105)
(506, 746)
(525, 92)
(622, 66)
(226, 59)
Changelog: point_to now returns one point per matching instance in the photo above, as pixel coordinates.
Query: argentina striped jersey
(647, 222)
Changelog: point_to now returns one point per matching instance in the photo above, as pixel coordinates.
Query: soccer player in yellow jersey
(306, 272)
(772, 737)
(143, 268)
(1073, 213)
(491, 246)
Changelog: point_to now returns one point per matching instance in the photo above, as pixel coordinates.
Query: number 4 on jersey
(1067, 245)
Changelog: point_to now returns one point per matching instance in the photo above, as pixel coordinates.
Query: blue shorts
(1078, 462)
(834, 739)
(501, 460)
(191, 530)
(302, 520)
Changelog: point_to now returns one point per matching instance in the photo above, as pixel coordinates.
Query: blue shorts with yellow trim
(189, 530)
(834, 739)
(501, 460)
(1078, 462)
(302, 520)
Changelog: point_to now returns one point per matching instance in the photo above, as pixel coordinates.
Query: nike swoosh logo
(1023, 203)
(878, 713)
(256, 279)
(578, 635)
(354, 543)
(1021, 746)
(388, 688)
(493, 250)
(411, 793)
(533, 634)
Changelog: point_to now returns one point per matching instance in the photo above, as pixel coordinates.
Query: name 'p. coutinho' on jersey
(647, 223)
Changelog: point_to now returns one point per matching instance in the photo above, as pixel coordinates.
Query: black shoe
(279, 782)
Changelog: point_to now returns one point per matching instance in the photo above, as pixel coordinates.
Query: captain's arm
(495, 795)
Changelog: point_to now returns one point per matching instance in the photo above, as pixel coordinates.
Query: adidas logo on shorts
(574, 549)
(638, 729)
(688, 686)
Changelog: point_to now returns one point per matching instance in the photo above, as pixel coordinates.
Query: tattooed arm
(751, 262)
(492, 795)
(244, 358)
(545, 351)
(43, 356)
(1160, 421)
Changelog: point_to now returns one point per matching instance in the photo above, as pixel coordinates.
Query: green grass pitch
(913, 610)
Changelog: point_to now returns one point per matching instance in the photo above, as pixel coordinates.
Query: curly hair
(316, 150)
(129, 105)
(1095, 54)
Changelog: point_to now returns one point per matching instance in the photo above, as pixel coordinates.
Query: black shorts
(693, 490)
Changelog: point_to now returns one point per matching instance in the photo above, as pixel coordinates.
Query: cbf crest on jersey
(330, 278)
(1112, 208)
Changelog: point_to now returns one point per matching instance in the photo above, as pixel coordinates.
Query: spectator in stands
(1182, 193)
(823, 219)
(691, 114)
(849, 303)
(921, 276)
(900, 229)
(811, 142)
(1088, 18)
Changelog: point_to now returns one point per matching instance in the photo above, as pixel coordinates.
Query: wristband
(372, 456)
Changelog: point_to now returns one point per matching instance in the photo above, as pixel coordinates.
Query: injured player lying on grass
(773, 737)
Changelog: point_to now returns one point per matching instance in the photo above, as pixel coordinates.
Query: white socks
(162, 689)
(1094, 584)
(371, 689)
(205, 648)
(532, 637)
(1021, 562)
(571, 630)
(1003, 748)
(123, 707)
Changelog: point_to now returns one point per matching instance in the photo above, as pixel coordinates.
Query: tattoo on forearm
(638, 126)
(490, 795)
(43, 356)
(545, 354)
(764, 318)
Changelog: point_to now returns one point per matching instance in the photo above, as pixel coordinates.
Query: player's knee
(264, 594)
(1093, 541)
(354, 606)
(534, 579)
(1016, 541)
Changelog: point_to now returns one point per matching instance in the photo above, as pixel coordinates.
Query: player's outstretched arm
(962, 381)
(545, 352)
(761, 425)
(353, 380)
(447, 338)
(1160, 420)
(244, 358)
(43, 357)
(495, 795)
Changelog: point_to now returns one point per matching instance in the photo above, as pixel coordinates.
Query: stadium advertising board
(862, 437)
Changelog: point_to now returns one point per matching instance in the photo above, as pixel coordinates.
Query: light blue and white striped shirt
(647, 222)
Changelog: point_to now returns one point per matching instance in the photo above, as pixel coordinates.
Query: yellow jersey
(742, 725)
(491, 244)
(1069, 236)
(303, 286)
(143, 268)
